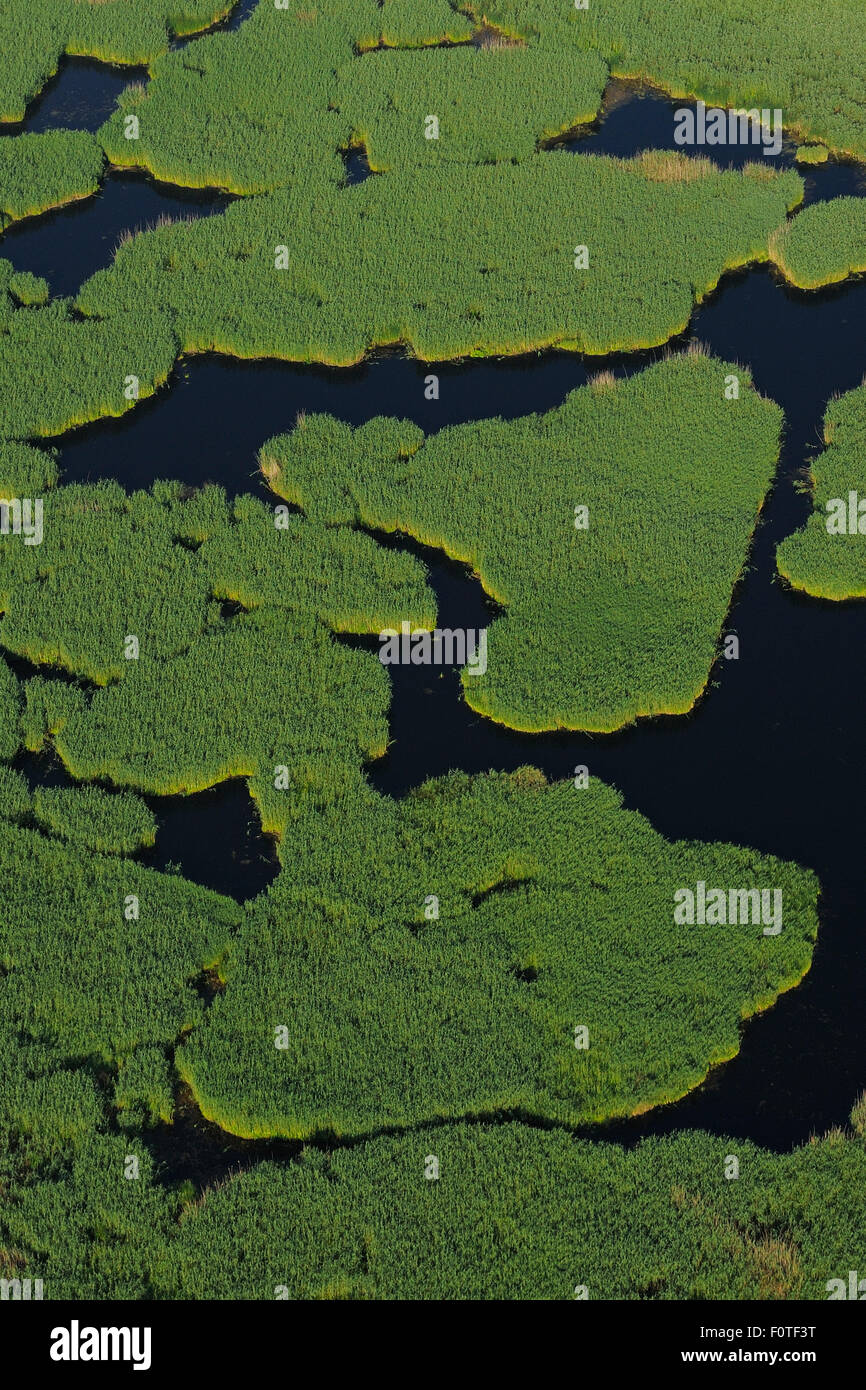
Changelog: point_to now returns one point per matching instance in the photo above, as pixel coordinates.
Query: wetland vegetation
(603, 622)
(38, 172)
(417, 1030)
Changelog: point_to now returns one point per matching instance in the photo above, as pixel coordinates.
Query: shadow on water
(356, 163)
(774, 755)
(215, 838)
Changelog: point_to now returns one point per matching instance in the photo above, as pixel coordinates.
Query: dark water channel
(775, 754)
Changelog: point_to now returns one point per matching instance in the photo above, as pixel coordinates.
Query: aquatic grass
(602, 625)
(203, 123)
(58, 371)
(824, 244)
(28, 289)
(812, 154)
(491, 103)
(560, 879)
(25, 471)
(407, 23)
(10, 711)
(516, 1213)
(144, 1093)
(208, 697)
(813, 71)
(70, 940)
(808, 60)
(519, 1213)
(46, 170)
(212, 285)
(358, 72)
(553, 903)
(395, 1015)
(398, 1014)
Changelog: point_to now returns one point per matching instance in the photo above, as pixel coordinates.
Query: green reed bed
(29, 290)
(523, 1214)
(806, 59)
(81, 1224)
(539, 888)
(35, 34)
(111, 823)
(515, 1213)
(434, 957)
(202, 122)
(544, 71)
(209, 695)
(404, 23)
(827, 558)
(214, 285)
(812, 154)
(10, 712)
(58, 371)
(604, 624)
(490, 104)
(554, 912)
(659, 231)
(88, 817)
(25, 471)
(83, 976)
(38, 172)
(812, 68)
